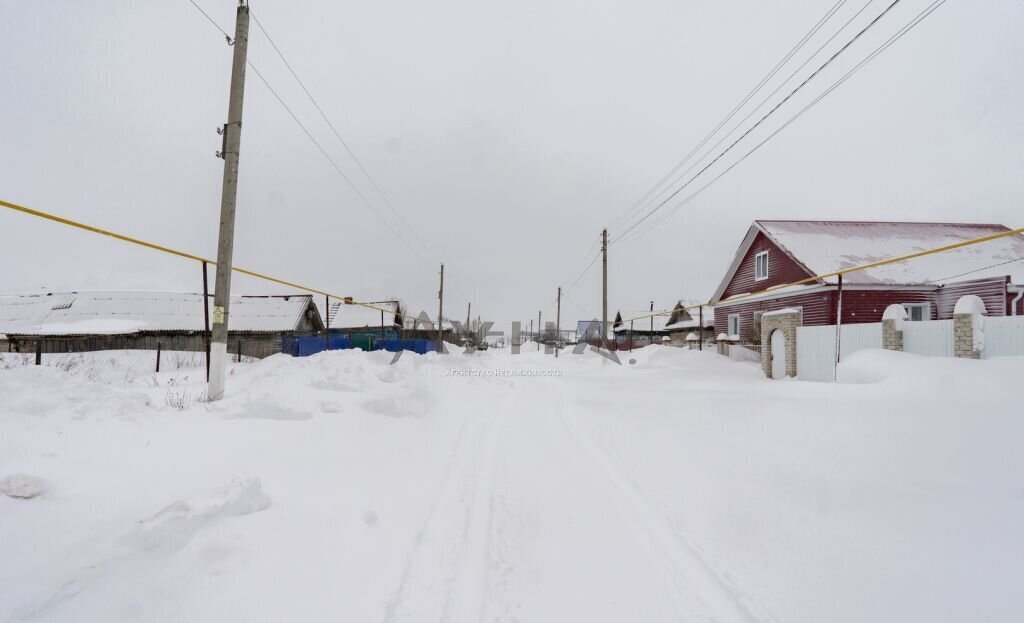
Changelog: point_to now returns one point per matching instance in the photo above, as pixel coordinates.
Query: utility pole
(440, 314)
(700, 329)
(558, 323)
(468, 307)
(539, 325)
(531, 328)
(604, 285)
(232, 139)
(652, 322)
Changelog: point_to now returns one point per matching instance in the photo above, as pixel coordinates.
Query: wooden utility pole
(652, 323)
(232, 135)
(206, 320)
(539, 325)
(327, 322)
(604, 285)
(440, 314)
(469, 306)
(700, 328)
(839, 328)
(558, 323)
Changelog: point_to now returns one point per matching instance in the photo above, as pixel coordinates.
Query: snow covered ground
(463, 488)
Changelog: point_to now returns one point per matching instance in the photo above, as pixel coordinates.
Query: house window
(918, 311)
(761, 265)
(734, 324)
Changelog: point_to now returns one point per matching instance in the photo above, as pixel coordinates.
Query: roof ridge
(847, 222)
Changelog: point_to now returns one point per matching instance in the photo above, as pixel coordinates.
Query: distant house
(88, 321)
(639, 324)
(690, 318)
(416, 329)
(775, 253)
(363, 324)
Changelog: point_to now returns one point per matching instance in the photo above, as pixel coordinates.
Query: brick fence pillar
(963, 337)
(787, 323)
(892, 337)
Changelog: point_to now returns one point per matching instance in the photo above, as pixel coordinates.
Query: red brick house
(779, 252)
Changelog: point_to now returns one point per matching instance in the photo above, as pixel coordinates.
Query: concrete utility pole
(232, 135)
(539, 325)
(604, 286)
(558, 322)
(440, 314)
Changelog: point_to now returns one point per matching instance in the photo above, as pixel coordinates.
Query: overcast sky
(505, 134)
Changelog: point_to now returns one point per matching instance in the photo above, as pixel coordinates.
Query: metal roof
(118, 313)
(823, 247)
(348, 316)
(828, 246)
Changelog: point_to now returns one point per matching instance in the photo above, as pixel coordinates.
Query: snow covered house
(90, 321)
(690, 317)
(639, 324)
(363, 324)
(776, 253)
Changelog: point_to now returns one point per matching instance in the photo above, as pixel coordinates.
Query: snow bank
(892, 495)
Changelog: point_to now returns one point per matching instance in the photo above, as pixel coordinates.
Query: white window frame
(733, 317)
(757, 263)
(926, 311)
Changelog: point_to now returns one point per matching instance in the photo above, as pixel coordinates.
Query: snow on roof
(828, 246)
(641, 320)
(116, 313)
(343, 316)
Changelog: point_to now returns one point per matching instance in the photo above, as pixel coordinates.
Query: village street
(499, 487)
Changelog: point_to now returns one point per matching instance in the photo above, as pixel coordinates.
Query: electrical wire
(874, 54)
(768, 97)
(750, 94)
(767, 115)
(320, 147)
(337, 135)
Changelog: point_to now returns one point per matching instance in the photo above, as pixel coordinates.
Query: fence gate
(816, 347)
(932, 338)
(1004, 335)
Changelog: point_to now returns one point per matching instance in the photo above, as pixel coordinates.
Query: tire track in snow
(444, 578)
(686, 567)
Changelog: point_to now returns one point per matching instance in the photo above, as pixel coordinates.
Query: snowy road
(682, 488)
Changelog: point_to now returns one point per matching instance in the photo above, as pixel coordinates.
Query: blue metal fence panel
(306, 346)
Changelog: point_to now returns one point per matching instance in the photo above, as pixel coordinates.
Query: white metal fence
(1004, 336)
(737, 352)
(816, 347)
(932, 338)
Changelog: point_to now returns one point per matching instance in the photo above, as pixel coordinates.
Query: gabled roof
(344, 316)
(642, 321)
(117, 313)
(823, 247)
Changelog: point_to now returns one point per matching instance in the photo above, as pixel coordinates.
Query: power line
(333, 162)
(583, 274)
(320, 147)
(899, 34)
(768, 97)
(215, 24)
(337, 135)
(764, 80)
(768, 114)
